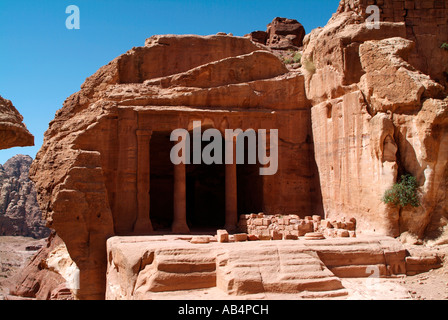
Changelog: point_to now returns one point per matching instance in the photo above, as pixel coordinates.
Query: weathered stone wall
(379, 111)
(277, 227)
(426, 24)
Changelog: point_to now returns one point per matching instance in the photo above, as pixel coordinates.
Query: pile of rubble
(291, 227)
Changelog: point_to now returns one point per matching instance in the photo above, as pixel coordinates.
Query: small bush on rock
(309, 66)
(297, 57)
(403, 193)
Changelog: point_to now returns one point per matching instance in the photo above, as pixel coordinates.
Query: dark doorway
(206, 194)
(250, 186)
(205, 188)
(162, 182)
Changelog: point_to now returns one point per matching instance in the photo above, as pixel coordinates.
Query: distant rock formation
(20, 214)
(13, 132)
(281, 34)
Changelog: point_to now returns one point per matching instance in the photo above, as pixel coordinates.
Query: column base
(230, 228)
(143, 227)
(180, 229)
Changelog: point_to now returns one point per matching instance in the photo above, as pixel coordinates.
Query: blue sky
(42, 62)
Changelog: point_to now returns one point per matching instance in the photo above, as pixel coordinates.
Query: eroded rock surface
(13, 132)
(50, 275)
(281, 34)
(379, 111)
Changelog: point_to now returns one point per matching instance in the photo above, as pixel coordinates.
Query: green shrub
(297, 57)
(444, 46)
(403, 193)
(294, 57)
(309, 66)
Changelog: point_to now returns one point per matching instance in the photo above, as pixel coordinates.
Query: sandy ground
(432, 285)
(14, 253)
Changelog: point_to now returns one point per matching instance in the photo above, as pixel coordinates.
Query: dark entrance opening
(205, 194)
(249, 185)
(205, 188)
(162, 182)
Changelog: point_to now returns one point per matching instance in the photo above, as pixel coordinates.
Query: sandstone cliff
(13, 132)
(380, 110)
(20, 214)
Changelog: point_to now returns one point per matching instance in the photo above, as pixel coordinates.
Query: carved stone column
(180, 199)
(231, 189)
(143, 223)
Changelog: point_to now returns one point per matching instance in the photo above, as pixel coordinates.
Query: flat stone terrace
(172, 267)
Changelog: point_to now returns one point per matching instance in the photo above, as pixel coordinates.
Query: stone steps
(274, 270)
(185, 269)
(300, 269)
(374, 258)
(161, 281)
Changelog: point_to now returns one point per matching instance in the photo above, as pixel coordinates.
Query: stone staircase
(162, 267)
(178, 269)
(275, 269)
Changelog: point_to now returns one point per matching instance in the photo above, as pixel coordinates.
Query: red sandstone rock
(281, 34)
(289, 236)
(222, 236)
(420, 264)
(370, 90)
(314, 236)
(145, 267)
(200, 240)
(343, 233)
(285, 33)
(39, 279)
(240, 237)
(252, 237)
(13, 133)
(276, 235)
(259, 36)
